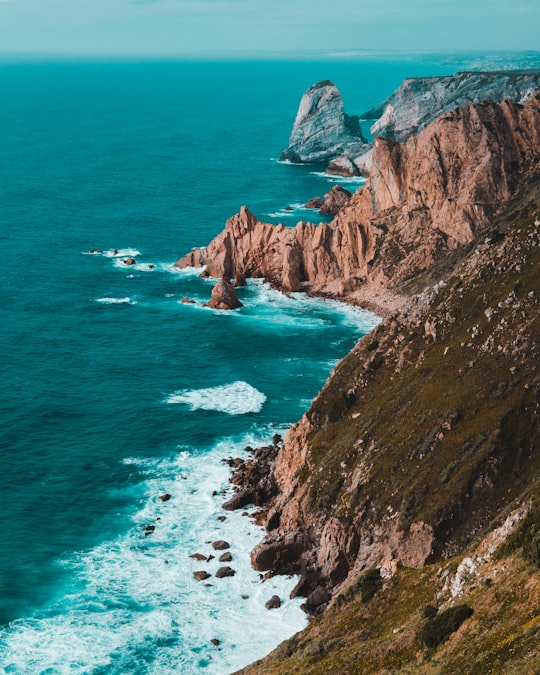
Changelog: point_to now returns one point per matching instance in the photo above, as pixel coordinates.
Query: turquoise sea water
(114, 392)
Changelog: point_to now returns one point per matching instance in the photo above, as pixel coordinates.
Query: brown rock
(226, 557)
(225, 572)
(95, 251)
(187, 301)
(224, 296)
(273, 603)
(239, 500)
(278, 553)
(335, 200)
(215, 642)
(129, 261)
(165, 497)
(198, 556)
(201, 575)
(314, 203)
(220, 545)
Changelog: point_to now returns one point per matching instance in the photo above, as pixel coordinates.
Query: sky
(206, 27)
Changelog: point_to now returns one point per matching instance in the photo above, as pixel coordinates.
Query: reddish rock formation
(423, 198)
(335, 200)
(224, 296)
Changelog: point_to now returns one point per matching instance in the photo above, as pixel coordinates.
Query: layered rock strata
(418, 101)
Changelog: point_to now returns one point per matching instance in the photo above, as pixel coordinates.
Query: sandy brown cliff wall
(423, 198)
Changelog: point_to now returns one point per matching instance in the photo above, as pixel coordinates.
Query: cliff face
(420, 457)
(322, 130)
(423, 198)
(418, 101)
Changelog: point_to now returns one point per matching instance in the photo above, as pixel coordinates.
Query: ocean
(113, 391)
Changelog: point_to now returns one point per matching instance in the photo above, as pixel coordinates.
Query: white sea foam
(347, 180)
(237, 398)
(135, 606)
(122, 253)
(117, 301)
(297, 310)
(184, 271)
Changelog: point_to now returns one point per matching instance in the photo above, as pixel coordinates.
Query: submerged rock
(322, 130)
(314, 203)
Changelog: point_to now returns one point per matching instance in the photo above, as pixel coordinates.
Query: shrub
(369, 583)
(430, 611)
(441, 626)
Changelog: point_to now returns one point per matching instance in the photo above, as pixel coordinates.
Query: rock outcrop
(224, 296)
(423, 199)
(418, 101)
(335, 200)
(322, 130)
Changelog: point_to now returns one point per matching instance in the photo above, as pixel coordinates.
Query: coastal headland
(407, 495)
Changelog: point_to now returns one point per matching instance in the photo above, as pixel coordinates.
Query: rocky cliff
(418, 101)
(322, 130)
(407, 497)
(410, 490)
(423, 199)
(323, 133)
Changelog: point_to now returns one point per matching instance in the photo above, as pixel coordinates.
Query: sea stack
(322, 129)
(224, 296)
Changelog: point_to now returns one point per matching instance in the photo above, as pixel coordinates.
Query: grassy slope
(443, 407)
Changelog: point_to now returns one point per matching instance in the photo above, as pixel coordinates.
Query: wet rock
(201, 575)
(226, 557)
(95, 251)
(273, 603)
(278, 554)
(165, 497)
(225, 572)
(239, 500)
(307, 584)
(220, 545)
(215, 642)
(198, 556)
(187, 301)
(224, 296)
(129, 261)
(314, 203)
(149, 529)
